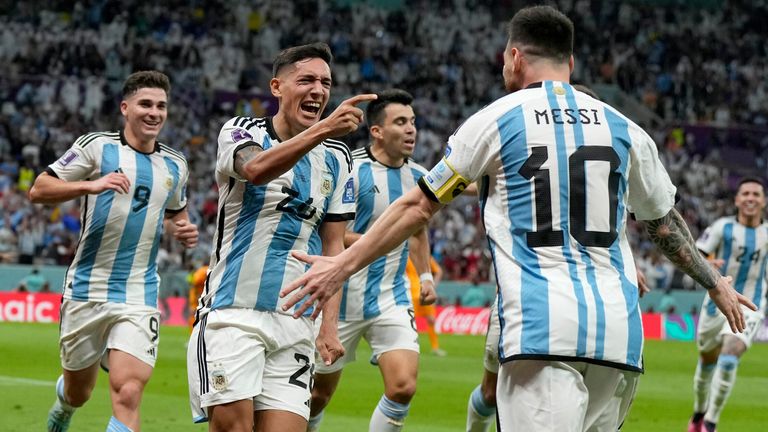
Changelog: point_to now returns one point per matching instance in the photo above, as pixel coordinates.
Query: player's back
(382, 284)
(259, 225)
(115, 259)
(554, 201)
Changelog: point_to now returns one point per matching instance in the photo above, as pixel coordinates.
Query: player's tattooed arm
(245, 155)
(670, 234)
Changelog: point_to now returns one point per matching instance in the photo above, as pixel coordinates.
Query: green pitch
(29, 366)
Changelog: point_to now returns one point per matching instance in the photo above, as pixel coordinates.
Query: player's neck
(381, 155)
(144, 146)
(283, 129)
(749, 221)
(546, 72)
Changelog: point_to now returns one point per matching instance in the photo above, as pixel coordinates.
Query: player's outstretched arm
(398, 222)
(328, 343)
(266, 165)
(670, 234)
(48, 189)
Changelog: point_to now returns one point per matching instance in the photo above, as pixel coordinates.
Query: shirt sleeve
(232, 138)
(651, 192)
(710, 239)
(342, 205)
(466, 158)
(179, 197)
(77, 163)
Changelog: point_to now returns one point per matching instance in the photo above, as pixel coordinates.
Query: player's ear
(274, 87)
(123, 107)
(571, 63)
(375, 131)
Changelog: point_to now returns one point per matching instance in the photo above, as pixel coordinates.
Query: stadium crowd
(64, 65)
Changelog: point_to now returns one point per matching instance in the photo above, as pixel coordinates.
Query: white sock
(389, 416)
(480, 415)
(313, 425)
(722, 384)
(702, 380)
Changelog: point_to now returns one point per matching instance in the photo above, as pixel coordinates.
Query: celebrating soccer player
(559, 171)
(740, 248)
(132, 186)
(376, 304)
(283, 185)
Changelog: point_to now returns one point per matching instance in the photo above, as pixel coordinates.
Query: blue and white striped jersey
(382, 285)
(559, 171)
(258, 226)
(745, 252)
(116, 256)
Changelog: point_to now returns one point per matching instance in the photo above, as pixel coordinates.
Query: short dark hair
(375, 110)
(543, 31)
(146, 79)
(750, 179)
(292, 55)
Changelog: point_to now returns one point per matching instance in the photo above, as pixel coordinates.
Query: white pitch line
(11, 380)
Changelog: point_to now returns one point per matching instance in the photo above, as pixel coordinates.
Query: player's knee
(320, 399)
(128, 394)
(489, 395)
(402, 391)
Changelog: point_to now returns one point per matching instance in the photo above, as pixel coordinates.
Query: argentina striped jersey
(382, 285)
(259, 225)
(120, 235)
(744, 251)
(558, 173)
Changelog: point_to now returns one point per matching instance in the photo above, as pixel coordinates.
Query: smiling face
(750, 202)
(397, 132)
(145, 112)
(303, 90)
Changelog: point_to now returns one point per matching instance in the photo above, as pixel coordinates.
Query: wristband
(426, 276)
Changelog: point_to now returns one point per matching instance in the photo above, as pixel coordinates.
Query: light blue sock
(314, 422)
(389, 416)
(480, 405)
(116, 425)
(392, 409)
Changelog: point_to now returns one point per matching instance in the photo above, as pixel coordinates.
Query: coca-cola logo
(458, 320)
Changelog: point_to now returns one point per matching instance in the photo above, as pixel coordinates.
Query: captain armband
(444, 182)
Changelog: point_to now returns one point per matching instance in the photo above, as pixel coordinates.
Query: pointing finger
(354, 100)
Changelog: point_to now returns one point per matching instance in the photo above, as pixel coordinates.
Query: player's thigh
(278, 421)
(127, 370)
(611, 392)
(540, 395)
(393, 330)
(289, 369)
(350, 333)
(232, 417)
(84, 327)
(399, 369)
(226, 359)
(709, 330)
(135, 331)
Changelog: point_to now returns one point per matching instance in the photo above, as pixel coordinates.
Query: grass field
(29, 366)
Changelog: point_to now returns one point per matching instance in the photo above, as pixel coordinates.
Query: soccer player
(740, 247)
(558, 172)
(376, 303)
(283, 185)
(426, 311)
(132, 187)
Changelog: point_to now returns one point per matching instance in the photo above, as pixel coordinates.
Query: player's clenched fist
(347, 117)
(116, 181)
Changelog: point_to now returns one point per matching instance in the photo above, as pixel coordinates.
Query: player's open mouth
(151, 124)
(311, 107)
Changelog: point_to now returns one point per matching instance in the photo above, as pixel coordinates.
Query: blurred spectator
(34, 282)
(474, 296)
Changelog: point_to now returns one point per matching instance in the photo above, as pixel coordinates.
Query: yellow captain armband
(444, 182)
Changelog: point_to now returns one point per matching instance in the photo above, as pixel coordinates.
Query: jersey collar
(271, 130)
(373, 158)
(125, 142)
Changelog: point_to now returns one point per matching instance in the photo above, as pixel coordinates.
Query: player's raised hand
(116, 181)
(186, 233)
(347, 116)
(729, 301)
(427, 296)
(319, 283)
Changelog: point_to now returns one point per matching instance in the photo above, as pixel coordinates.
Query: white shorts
(394, 329)
(88, 330)
(237, 354)
(712, 328)
(491, 357)
(542, 395)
